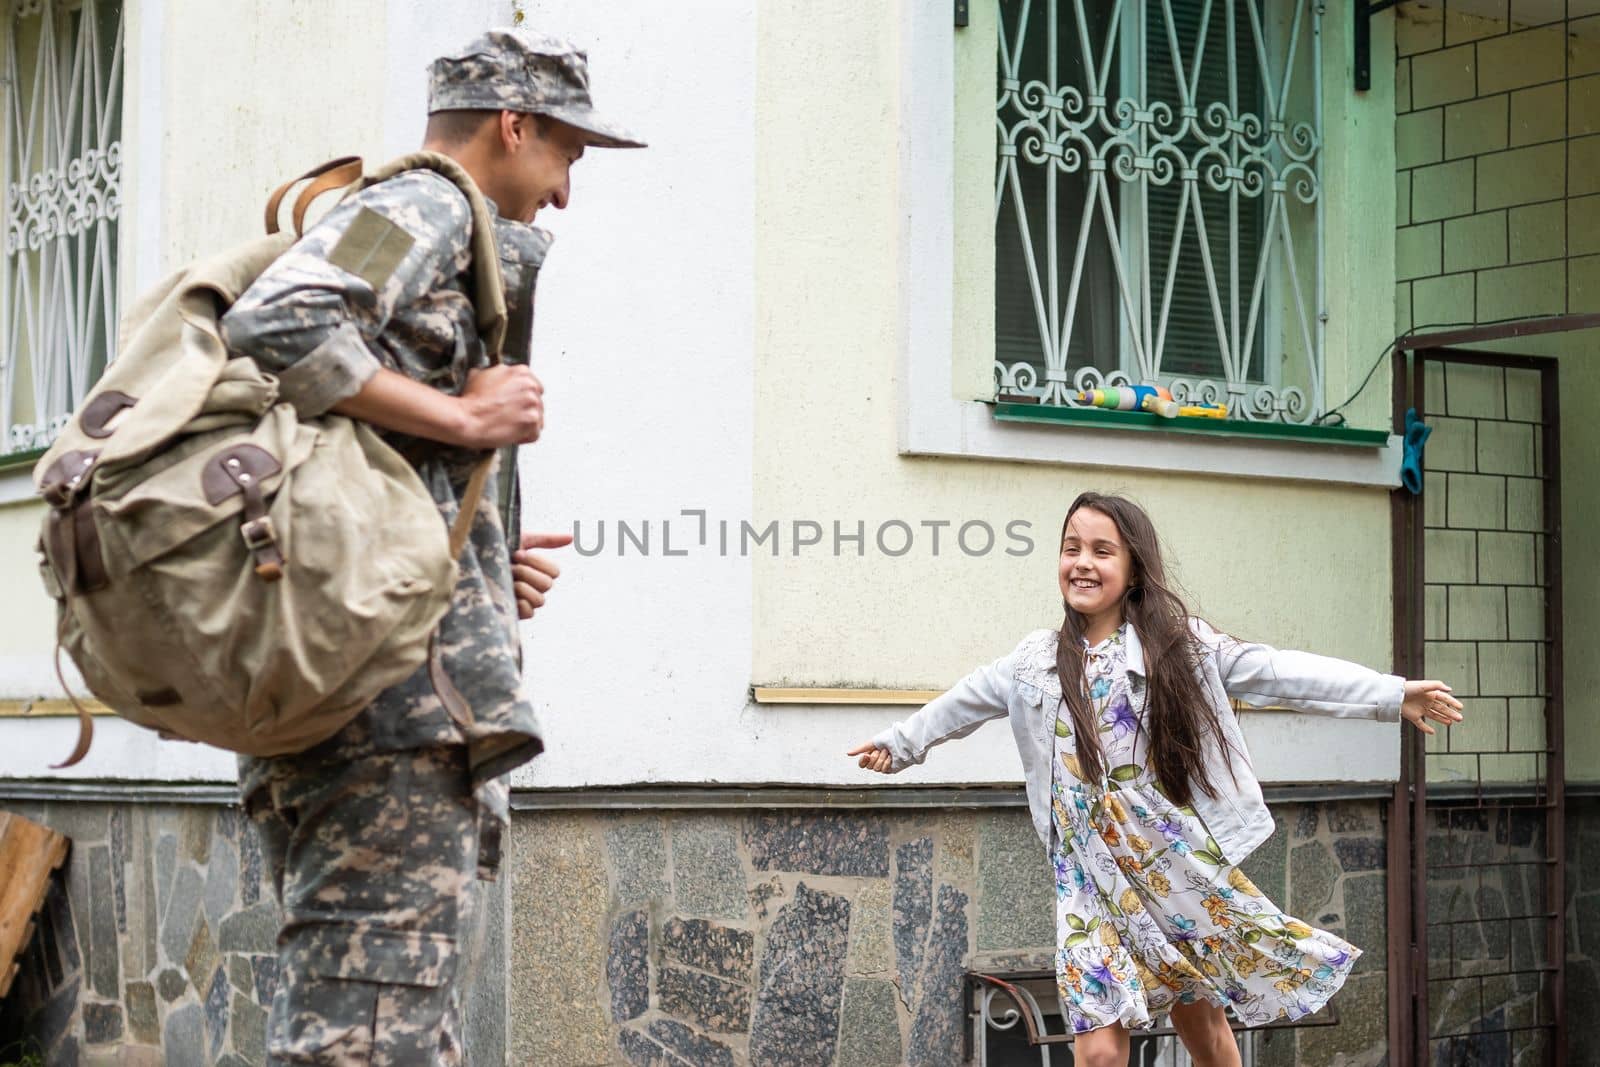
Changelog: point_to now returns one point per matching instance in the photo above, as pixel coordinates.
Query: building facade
(809, 363)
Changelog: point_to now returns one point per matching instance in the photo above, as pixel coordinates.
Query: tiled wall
(1497, 143)
(1485, 577)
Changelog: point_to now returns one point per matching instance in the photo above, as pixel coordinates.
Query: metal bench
(1010, 1013)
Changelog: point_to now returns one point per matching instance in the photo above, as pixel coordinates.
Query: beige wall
(1298, 564)
(1302, 565)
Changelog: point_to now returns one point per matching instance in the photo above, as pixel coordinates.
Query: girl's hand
(873, 758)
(1430, 700)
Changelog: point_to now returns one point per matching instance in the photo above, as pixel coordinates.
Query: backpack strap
(488, 301)
(329, 175)
(488, 287)
(488, 296)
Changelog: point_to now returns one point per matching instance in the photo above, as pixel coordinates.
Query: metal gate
(1477, 931)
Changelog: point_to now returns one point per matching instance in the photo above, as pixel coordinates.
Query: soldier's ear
(513, 130)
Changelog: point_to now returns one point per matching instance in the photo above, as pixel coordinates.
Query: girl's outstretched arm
(1268, 677)
(982, 695)
(1429, 700)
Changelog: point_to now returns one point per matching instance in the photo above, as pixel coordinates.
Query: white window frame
(60, 272)
(935, 418)
(1107, 129)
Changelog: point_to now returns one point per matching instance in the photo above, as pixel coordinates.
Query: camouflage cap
(511, 70)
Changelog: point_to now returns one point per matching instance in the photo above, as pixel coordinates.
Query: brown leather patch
(95, 418)
(65, 476)
(234, 467)
(160, 698)
(59, 550)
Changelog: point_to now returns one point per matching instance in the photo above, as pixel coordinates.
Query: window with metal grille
(1157, 201)
(62, 92)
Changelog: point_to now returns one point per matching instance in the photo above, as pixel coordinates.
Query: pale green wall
(1482, 137)
(1297, 564)
(27, 624)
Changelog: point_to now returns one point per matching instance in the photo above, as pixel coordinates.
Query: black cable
(1333, 412)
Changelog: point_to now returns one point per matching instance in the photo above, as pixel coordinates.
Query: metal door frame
(1407, 897)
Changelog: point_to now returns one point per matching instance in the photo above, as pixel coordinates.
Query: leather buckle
(259, 533)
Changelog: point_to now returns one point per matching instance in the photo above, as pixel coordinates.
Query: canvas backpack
(225, 571)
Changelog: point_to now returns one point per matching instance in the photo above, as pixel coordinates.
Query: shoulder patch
(371, 248)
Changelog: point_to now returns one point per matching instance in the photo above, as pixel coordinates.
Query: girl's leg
(1203, 1029)
(1106, 1046)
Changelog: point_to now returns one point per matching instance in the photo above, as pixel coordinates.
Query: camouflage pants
(373, 859)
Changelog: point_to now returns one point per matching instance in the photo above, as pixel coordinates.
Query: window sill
(1143, 421)
(934, 425)
(11, 461)
(16, 476)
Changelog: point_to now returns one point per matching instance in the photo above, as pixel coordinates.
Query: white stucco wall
(640, 664)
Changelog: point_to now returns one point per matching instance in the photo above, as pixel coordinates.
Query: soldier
(373, 837)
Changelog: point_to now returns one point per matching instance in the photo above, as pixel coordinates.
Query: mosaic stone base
(156, 945)
(804, 939)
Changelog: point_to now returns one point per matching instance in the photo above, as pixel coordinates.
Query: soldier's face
(541, 168)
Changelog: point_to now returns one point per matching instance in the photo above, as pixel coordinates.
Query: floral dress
(1149, 913)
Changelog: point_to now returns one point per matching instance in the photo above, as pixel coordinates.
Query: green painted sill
(15, 460)
(1144, 421)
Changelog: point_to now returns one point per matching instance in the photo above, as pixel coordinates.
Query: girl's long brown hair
(1179, 719)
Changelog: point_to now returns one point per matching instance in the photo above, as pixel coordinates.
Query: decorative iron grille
(62, 179)
(1158, 209)
(1016, 1022)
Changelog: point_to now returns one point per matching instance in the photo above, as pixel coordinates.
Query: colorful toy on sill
(1204, 411)
(1155, 399)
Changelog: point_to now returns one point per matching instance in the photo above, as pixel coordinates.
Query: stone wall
(156, 945)
(1486, 889)
(691, 937)
(1583, 925)
(768, 937)
(814, 937)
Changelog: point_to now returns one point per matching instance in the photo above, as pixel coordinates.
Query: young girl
(1141, 788)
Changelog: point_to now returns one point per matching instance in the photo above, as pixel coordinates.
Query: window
(62, 94)
(1157, 202)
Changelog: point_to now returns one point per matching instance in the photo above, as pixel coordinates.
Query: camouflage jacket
(384, 281)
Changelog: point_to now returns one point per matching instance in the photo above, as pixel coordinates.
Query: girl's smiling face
(1095, 566)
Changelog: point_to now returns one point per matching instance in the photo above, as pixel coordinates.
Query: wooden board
(28, 854)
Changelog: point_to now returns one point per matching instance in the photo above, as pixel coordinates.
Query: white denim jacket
(1025, 687)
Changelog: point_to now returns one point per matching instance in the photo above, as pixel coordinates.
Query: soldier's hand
(504, 405)
(532, 573)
